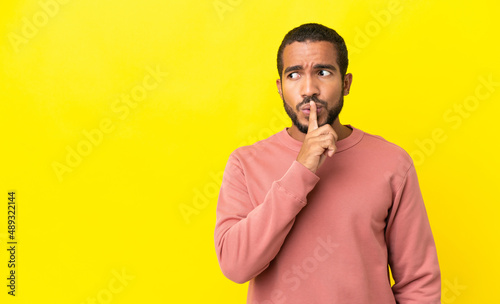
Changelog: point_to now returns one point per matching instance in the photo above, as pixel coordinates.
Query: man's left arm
(412, 251)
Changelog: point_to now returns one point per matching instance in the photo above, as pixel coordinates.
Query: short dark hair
(315, 32)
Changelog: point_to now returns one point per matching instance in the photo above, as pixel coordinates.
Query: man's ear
(278, 84)
(347, 83)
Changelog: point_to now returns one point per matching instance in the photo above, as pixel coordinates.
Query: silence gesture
(318, 143)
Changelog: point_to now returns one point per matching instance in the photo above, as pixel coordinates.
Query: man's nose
(309, 87)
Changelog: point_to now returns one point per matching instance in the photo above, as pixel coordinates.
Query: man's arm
(248, 237)
(412, 252)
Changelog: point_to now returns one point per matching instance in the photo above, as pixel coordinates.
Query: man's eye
(293, 75)
(324, 73)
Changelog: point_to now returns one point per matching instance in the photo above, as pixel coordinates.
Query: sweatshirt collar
(344, 144)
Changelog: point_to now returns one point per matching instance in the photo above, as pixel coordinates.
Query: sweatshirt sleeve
(412, 252)
(248, 234)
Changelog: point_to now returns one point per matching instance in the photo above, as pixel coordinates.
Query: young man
(317, 212)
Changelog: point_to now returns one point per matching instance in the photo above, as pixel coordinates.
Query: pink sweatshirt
(301, 237)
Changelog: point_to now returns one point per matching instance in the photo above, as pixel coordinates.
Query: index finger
(313, 117)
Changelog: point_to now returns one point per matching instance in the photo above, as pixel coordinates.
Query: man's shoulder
(382, 143)
(384, 149)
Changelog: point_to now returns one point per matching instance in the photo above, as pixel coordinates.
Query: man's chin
(305, 124)
(301, 127)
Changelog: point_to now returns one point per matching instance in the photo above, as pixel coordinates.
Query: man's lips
(307, 109)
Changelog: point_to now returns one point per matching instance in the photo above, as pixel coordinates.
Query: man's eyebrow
(293, 68)
(324, 66)
(316, 66)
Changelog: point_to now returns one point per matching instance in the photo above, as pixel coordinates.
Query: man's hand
(318, 143)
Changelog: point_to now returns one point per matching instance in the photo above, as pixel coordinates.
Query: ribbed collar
(342, 145)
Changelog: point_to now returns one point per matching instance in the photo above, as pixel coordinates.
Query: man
(317, 212)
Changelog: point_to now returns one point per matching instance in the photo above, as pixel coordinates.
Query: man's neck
(341, 130)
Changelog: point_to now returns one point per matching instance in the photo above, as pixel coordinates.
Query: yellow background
(141, 201)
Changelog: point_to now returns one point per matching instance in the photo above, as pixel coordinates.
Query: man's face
(311, 72)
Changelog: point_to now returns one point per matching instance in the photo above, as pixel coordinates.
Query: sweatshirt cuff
(298, 181)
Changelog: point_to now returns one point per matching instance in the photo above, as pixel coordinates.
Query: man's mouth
(306, 109)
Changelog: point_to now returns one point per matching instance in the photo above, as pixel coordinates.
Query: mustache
(307, 99)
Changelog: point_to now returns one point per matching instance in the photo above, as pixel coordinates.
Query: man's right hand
(318, 143)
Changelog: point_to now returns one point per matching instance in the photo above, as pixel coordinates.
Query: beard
(333, 113)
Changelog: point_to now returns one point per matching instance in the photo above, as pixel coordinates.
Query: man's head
(315, 32)
(312, 61)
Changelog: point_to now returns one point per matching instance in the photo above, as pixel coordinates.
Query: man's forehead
(299, 53)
